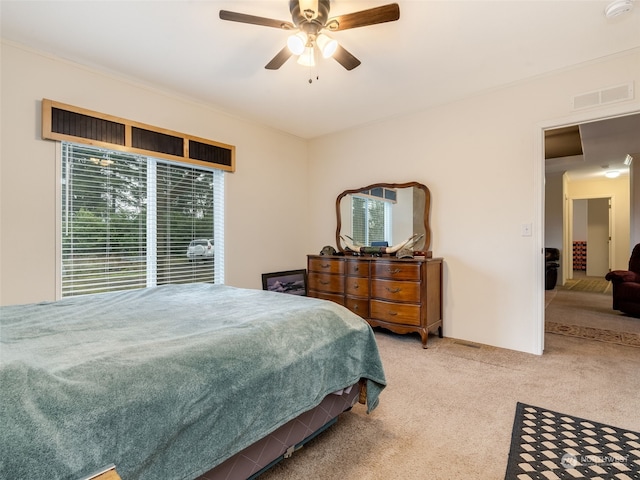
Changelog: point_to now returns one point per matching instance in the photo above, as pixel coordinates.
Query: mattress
(168, 382)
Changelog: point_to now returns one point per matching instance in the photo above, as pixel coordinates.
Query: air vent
(605, 96)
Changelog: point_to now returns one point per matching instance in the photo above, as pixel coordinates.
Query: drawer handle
(356, 286)
(393, 314)
(394, 270)
(355, 307)
(326, 265)
(356, 268)
(324, 282)
(393, 290)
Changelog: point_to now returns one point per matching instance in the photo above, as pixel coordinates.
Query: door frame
(619, 110)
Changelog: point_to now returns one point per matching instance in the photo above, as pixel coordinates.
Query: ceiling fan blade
(344, 58)
(372, 16)
(253, 20)
(277, 61)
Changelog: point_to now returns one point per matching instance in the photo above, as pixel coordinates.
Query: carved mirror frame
(425, 214)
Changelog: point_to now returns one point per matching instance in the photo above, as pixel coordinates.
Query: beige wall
(265, 196)
(482, 160)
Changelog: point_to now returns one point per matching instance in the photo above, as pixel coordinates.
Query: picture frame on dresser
(293, 282)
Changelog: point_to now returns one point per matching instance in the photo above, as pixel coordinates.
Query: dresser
(401, 295)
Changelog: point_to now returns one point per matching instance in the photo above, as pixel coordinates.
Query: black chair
(552, 259)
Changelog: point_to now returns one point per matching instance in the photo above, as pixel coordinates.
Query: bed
(170, 382)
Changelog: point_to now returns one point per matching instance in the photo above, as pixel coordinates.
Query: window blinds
(371, 219)
(128, 220)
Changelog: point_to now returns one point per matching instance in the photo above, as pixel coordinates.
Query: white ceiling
(438, 51)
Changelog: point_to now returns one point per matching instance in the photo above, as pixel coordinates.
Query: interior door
(598, 237)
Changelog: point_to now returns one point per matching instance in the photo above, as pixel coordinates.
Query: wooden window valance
(74, 124)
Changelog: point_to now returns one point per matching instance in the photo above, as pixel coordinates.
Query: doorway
(589, 244)
(554, 208)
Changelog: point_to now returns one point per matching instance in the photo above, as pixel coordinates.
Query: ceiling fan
(310, 18)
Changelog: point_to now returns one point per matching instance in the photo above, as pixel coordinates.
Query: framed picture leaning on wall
(293, 282)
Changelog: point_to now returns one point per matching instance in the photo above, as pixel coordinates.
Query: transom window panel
(131, 221)
(79, 125)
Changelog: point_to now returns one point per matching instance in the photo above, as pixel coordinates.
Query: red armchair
(626, 285)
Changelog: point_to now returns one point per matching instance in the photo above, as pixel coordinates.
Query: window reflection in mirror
(384, 214)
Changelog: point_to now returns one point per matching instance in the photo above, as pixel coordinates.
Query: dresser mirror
(384, 213)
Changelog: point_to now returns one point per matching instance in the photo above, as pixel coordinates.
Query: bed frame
(107, 473)
(283, 442)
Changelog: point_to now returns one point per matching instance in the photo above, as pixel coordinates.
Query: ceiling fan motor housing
(309, 26)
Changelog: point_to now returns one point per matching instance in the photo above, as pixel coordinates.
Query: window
(128, 221)
(371, 219)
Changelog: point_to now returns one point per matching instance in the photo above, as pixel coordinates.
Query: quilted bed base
(280, 444)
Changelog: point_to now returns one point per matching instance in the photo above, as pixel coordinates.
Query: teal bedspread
(167, 382)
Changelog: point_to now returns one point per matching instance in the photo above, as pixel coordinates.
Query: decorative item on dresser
(403, 295)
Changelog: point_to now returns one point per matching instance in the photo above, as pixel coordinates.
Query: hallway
(583, 308)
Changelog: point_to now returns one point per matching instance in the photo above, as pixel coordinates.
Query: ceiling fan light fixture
(327, 45)
(310, 17)
(297, 43)
(307, 58)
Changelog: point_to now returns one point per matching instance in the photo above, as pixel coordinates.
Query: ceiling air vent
(605, 96)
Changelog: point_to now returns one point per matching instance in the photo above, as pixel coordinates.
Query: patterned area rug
(589, 315)
(591, 333)
(592, 284)
(547, 445)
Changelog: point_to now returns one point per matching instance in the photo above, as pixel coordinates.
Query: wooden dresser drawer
(401, 295)
(405, 314)
(396, 271)
(334, 297)
(396, 291)
(326, 265)
(357, 268)
(357, 286)
(325, 282)
(359, 306)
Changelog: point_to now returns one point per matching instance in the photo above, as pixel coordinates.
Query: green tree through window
(127, 221)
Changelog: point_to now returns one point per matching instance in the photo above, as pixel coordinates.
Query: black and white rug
(548, 445)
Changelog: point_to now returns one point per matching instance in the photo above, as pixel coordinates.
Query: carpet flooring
(586, 312)
(551, 445)
(448, 410)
